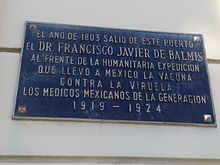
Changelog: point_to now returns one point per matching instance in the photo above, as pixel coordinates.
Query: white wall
(57, 138)
(189, 16)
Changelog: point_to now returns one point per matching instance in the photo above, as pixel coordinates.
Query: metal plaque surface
(91, 73)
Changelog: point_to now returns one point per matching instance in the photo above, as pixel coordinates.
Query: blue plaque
(91, 73)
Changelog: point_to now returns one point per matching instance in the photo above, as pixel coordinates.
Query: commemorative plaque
(91, 73)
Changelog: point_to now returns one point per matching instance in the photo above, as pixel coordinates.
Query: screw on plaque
(207, 118)
(197, 39)
(22, 110)
(32, 27)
